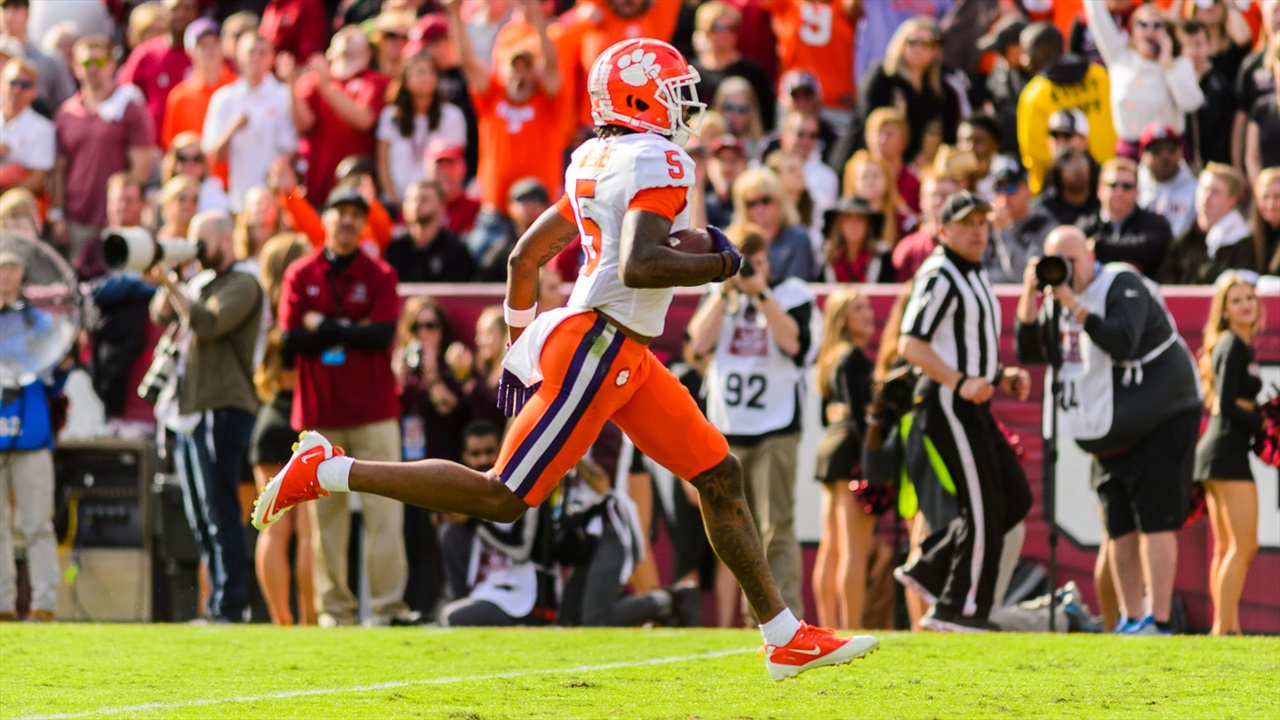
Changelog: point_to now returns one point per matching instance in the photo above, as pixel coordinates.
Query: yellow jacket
(1046, 94)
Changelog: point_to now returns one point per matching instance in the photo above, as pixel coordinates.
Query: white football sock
(334, 474)
(779, 630)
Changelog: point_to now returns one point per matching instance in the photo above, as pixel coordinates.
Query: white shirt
(30, 138)
(270, 132)
(405, 154)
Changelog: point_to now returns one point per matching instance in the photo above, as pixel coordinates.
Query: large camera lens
(1052, 270)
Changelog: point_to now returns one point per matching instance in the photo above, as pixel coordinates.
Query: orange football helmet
(645, 84)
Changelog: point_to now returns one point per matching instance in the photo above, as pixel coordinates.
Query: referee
(951, 331)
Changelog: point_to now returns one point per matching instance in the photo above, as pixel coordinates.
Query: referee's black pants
(961, 560)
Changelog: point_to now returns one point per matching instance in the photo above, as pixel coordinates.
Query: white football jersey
(603, 177)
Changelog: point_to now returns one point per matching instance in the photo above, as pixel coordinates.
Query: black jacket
(1142, 240)
(1188, 261)
(445, 259)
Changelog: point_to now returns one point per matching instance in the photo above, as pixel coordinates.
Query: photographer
(221, 308)
(1130, 398)
(760, 343)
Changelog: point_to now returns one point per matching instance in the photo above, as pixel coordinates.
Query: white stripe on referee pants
(946, 396)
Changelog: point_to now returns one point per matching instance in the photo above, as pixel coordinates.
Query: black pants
(961, 560)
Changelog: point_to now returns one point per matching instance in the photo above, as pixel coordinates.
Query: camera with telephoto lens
(1053, 270)
(748, 270)
(133, 248)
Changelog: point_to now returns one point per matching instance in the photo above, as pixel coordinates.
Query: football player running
(627, 190)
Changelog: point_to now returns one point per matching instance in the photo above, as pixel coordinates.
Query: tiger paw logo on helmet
(638, 67)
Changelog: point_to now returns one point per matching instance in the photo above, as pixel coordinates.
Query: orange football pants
(593, 373)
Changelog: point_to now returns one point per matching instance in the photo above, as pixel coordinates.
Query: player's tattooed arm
(544, 239)
(649, 262)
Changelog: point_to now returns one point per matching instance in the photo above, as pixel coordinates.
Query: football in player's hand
(694, 241)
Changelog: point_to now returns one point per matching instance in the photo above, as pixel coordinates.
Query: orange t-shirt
(817, 36)
(185, 110)
(517, 141)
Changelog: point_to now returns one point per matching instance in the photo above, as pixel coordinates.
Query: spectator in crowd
(1060, 82)
(432, 415)
(799, 90)
(736, 101)
(844, 384)
(355, 172)
(188, 102)
(1166, 186)
(1141, 432)
(1125, 232)
(1262, 133)
(185, 158)
(887, 136)
(526, 200)
(800, 135)
(416, 117)
(432, 35)
(1231, 379)
(911, 251)
(1266, 218)
(26, 449)
(259, 221)
(126, 207)
(1209, 128)
(446, 165)
(727, 162)
(519, 122)
(1148, 84)
(221, 309)
(715, 40)
(879, 21)
(337, 319)
(980, 135)
(28, 146)
(828, 54)
(249, 123)
(427, 251)
(1254, 80)
(1219, 239)
(945, 333)
(758, 199)
(852, 251)
(1230, 37)
(294, 27)
(1005, 81)
(789, 167)
(336, 106)
(233, 27)
(1017, 233)
(868, 176)
(103, 129)
(179, 202)
(157, 65)
(910, 79)
(390, 33)
(20, 213)
(759, 335)
(1070, 195)
(269, 448)
(961, 165)
(147, 21)
(481, 370)
(1068, 129)
(1080, 40)
(54, 83)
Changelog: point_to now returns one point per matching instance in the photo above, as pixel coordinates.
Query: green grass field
(69, 670)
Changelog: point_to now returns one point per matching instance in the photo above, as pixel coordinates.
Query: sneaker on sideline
(814, 647)
(946, 621)
(903, 576)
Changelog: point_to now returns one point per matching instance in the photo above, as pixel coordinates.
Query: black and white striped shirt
(953, 309)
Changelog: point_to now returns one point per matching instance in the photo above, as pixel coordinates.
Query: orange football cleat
(296, 482)
(815, 647)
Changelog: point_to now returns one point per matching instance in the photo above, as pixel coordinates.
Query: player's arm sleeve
(929, 303)
(1119, 333)
(565, 208)
(665, 201)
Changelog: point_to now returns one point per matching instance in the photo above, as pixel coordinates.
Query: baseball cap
(430, 28)
(959, 205)
(439, 149)
(1072, 121)
(529, 189)
(794, 80)
(1007, 169)
(1155, 132)
(1007, 30)
(727, 141)
(346, 195)
(198, 29)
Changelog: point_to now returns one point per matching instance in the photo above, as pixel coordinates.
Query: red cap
(439, 149)
(429, 28)
(1156, 132)
(727, 141)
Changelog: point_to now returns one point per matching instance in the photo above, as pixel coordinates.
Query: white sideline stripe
(386, 686)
